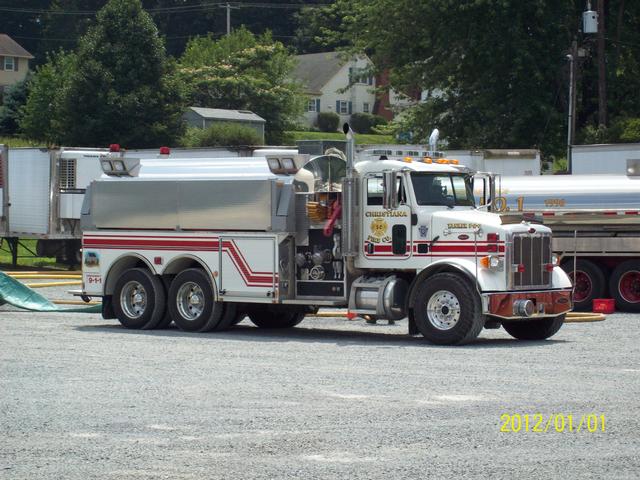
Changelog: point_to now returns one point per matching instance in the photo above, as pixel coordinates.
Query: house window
(365, 107)
(8, 63)
(343, 107)
(311, 106)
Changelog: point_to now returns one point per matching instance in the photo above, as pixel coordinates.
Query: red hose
(336, 210)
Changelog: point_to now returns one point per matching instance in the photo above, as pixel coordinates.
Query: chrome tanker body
(596, 224)
(204, 242)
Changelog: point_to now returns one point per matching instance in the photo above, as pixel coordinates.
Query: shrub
(328, 121)
(630, 130)
(365, 122)
(221, 135)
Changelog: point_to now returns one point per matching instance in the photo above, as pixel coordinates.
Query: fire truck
(205, 242)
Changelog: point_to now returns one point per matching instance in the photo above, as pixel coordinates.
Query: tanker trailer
(596, 229)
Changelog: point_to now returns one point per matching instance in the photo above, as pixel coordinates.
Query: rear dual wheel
(589, 283)
(139, 299)
(624, 286)
(269, 316)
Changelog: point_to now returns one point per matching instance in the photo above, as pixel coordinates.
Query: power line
(175, 9)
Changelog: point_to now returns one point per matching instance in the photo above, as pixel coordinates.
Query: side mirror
(390, 190)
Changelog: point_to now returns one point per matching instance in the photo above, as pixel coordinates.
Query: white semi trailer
(205, 242)
(596, 228)
(42, 189)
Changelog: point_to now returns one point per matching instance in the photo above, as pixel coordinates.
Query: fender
(466, 268)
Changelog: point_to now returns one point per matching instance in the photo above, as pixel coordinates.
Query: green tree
(14, 99)
(244, 72)
(122, 88)
(39, 117)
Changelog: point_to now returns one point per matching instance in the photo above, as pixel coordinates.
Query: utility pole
(602, 79)
(571, 116)
(229, 8)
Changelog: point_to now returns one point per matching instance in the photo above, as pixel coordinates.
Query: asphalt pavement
(83, 398)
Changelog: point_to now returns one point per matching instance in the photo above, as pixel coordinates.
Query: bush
(365, 122)
(221, 135)
(328, 121)
(630, 130)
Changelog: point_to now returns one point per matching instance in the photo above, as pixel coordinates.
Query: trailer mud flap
(19, 295)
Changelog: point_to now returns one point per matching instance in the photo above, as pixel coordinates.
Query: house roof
(10, 48)
(314, 70)
(222, 114)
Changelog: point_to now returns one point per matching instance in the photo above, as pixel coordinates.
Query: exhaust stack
(349, 199)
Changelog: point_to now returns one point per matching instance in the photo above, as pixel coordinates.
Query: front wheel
(447, 310)
(534, 329)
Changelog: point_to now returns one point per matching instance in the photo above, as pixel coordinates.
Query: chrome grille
(534, 252)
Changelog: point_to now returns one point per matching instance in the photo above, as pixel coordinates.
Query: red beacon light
(165, 150)
(114, 147)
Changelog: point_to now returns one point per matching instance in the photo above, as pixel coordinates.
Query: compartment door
(247, 267)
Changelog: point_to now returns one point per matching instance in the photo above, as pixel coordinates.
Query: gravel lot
(81, 397)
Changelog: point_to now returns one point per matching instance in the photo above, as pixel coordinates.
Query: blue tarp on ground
(19, 295)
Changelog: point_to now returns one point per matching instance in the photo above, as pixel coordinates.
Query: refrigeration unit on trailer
(4, 194)
(206, 242)
(596, 229)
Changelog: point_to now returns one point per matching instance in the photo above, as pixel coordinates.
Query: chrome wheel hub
(443, 310)
(133, 299)
(190, 301)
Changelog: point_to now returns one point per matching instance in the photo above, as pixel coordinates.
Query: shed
(205, 117)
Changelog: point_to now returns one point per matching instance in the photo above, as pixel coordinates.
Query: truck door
(386, 232)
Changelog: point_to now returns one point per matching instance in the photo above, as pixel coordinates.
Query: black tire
(459, 318)
(144, 312)
(228, 316)
(534, 329)
(624, 286)
(275, 317)
(591, 283)
(165, 322)
(192, 302)
(240, 315)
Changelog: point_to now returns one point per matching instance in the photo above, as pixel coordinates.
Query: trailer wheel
(139, 300)
(447, 310)
(192, 302)
(274, 317)
(624, 286)
(534, 329)
(589, 283)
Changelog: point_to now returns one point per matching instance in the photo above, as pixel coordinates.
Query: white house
(326, 79)
(14, 62)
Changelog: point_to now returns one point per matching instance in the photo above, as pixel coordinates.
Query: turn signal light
(490, 261)
(520, 268)
(548, 267)
(493, 237)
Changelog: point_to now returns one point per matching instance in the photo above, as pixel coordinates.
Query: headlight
(106, 165)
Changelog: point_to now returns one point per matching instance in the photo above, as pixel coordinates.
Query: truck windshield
(442, 189)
